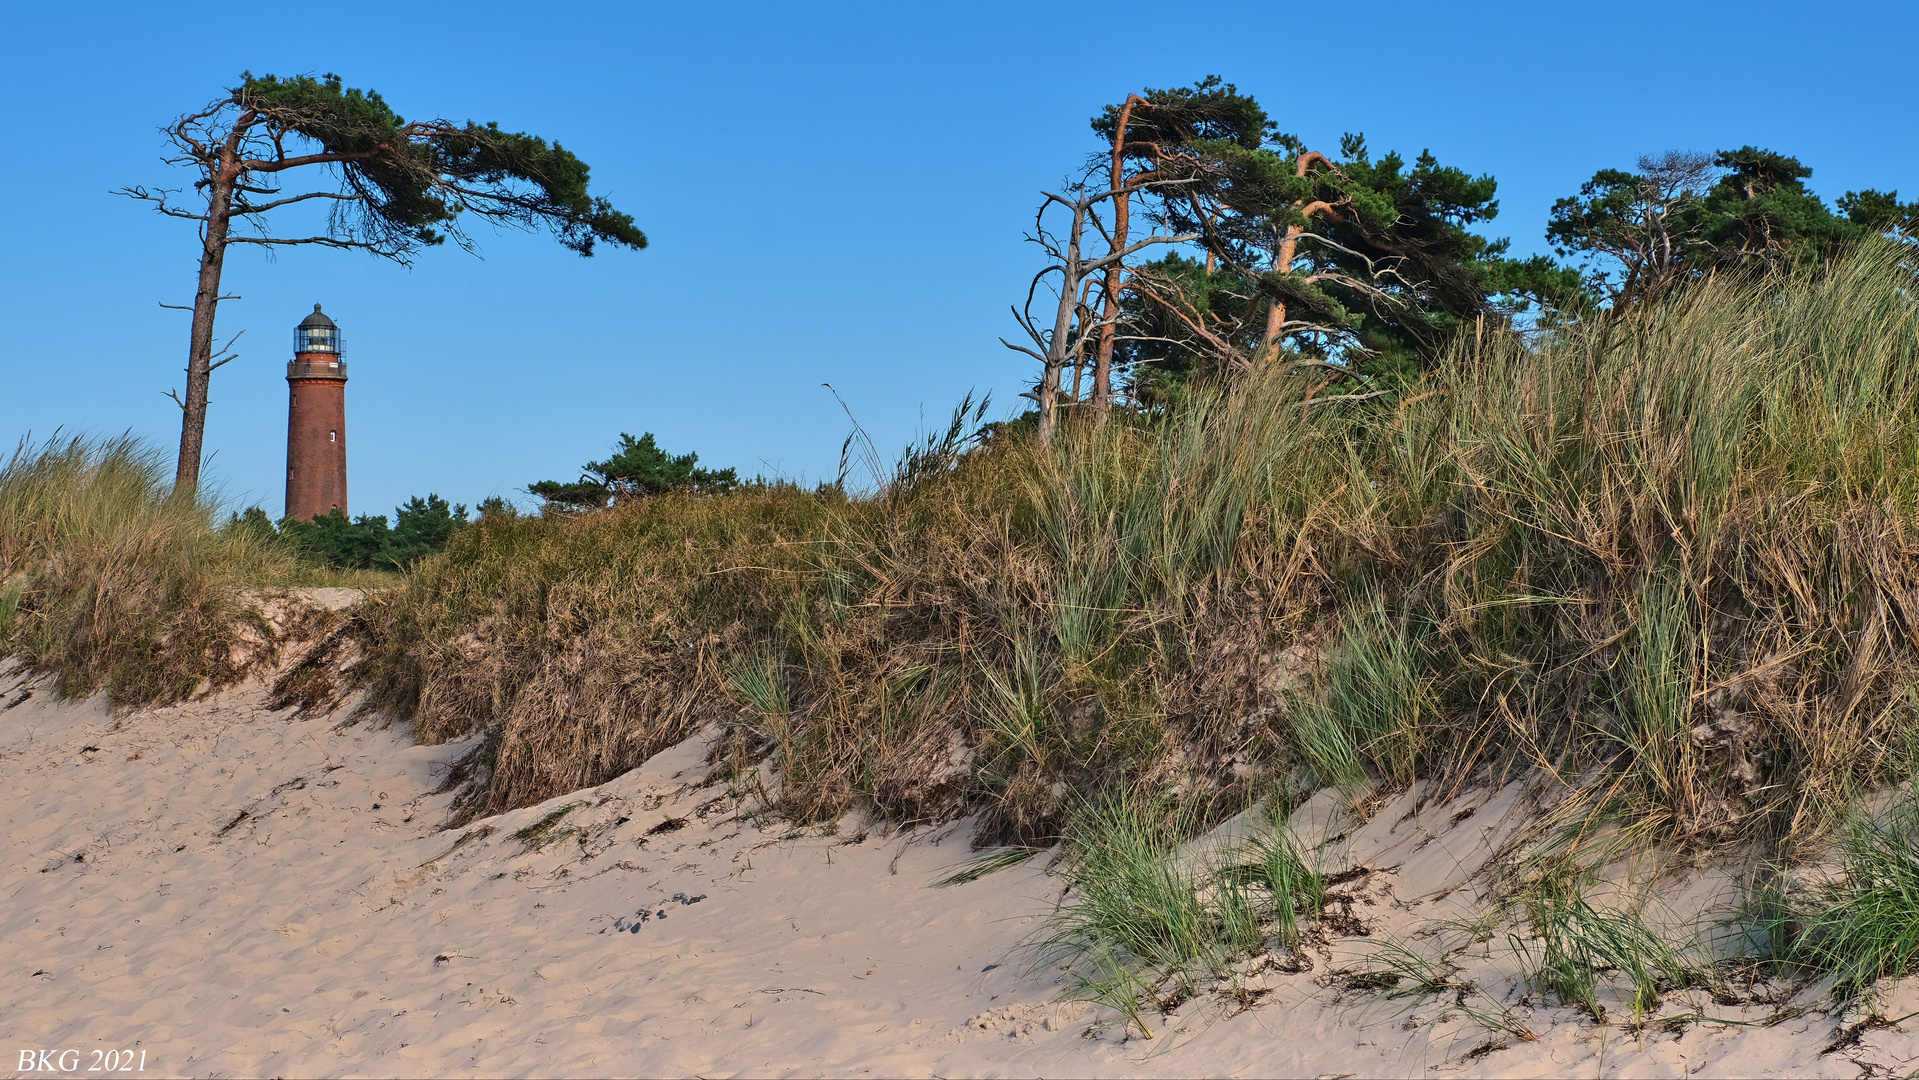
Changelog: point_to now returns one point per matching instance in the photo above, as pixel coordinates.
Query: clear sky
(834, 193)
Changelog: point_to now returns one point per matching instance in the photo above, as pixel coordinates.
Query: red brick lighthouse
(316, 420)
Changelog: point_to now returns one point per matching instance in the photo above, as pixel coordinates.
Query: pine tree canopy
(391, 187)
(405, 184)
(636, 468)
(1682, 216)
(1361, 263)
(421, 527)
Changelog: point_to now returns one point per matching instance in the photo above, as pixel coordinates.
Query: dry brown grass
(579, 646)
(919, 650)
(1668, 559)
(107, 582)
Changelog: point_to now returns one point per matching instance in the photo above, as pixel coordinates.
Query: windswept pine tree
(391, 188)
(635, 469)
(1685, 215)
(1354, 265)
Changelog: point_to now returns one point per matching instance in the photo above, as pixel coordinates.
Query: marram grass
(108, 582)
(1671, 554)
(1667, 561)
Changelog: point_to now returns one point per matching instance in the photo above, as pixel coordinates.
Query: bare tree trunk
(1109, 300)
(206, 300)
(1056, 348)
(1076, 273)
(1048, 403)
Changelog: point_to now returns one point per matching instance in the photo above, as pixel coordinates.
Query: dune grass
(1667, 561)
(1669, 555)
(1575, 947)
(107, 582)
(1295, 891)
(1146, 924)
(1864, 925)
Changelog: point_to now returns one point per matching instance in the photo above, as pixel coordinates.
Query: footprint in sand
(631, 924)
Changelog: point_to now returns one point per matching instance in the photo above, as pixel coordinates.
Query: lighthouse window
(333, 436)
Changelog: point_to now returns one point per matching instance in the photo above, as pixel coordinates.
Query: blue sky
(834, 193)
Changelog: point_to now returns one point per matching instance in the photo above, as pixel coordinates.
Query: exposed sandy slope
(238, 893)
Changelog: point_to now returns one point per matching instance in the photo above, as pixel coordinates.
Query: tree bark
(1283, 259)
(1109, 301)
(206, 302)
(1276, 310)
(1062, 323)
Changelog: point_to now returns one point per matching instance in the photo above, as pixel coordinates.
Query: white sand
(329, 931)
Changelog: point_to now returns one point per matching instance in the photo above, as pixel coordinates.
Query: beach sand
(230, 891)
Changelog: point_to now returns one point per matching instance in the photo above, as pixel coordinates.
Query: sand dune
(233, 892)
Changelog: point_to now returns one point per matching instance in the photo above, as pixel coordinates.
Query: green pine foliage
(1375, 261)
(420, 528)
(416, 179)
(636, 468)
(1684, 216)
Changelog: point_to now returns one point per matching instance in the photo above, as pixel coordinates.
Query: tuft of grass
(1368, 718)
(1143, 916)
(1576, 948)
(759, 680)
(1397, 971)
(1133, 900)
(546, 830)
(1295, 890)
(986, 863)
(1865, 926)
